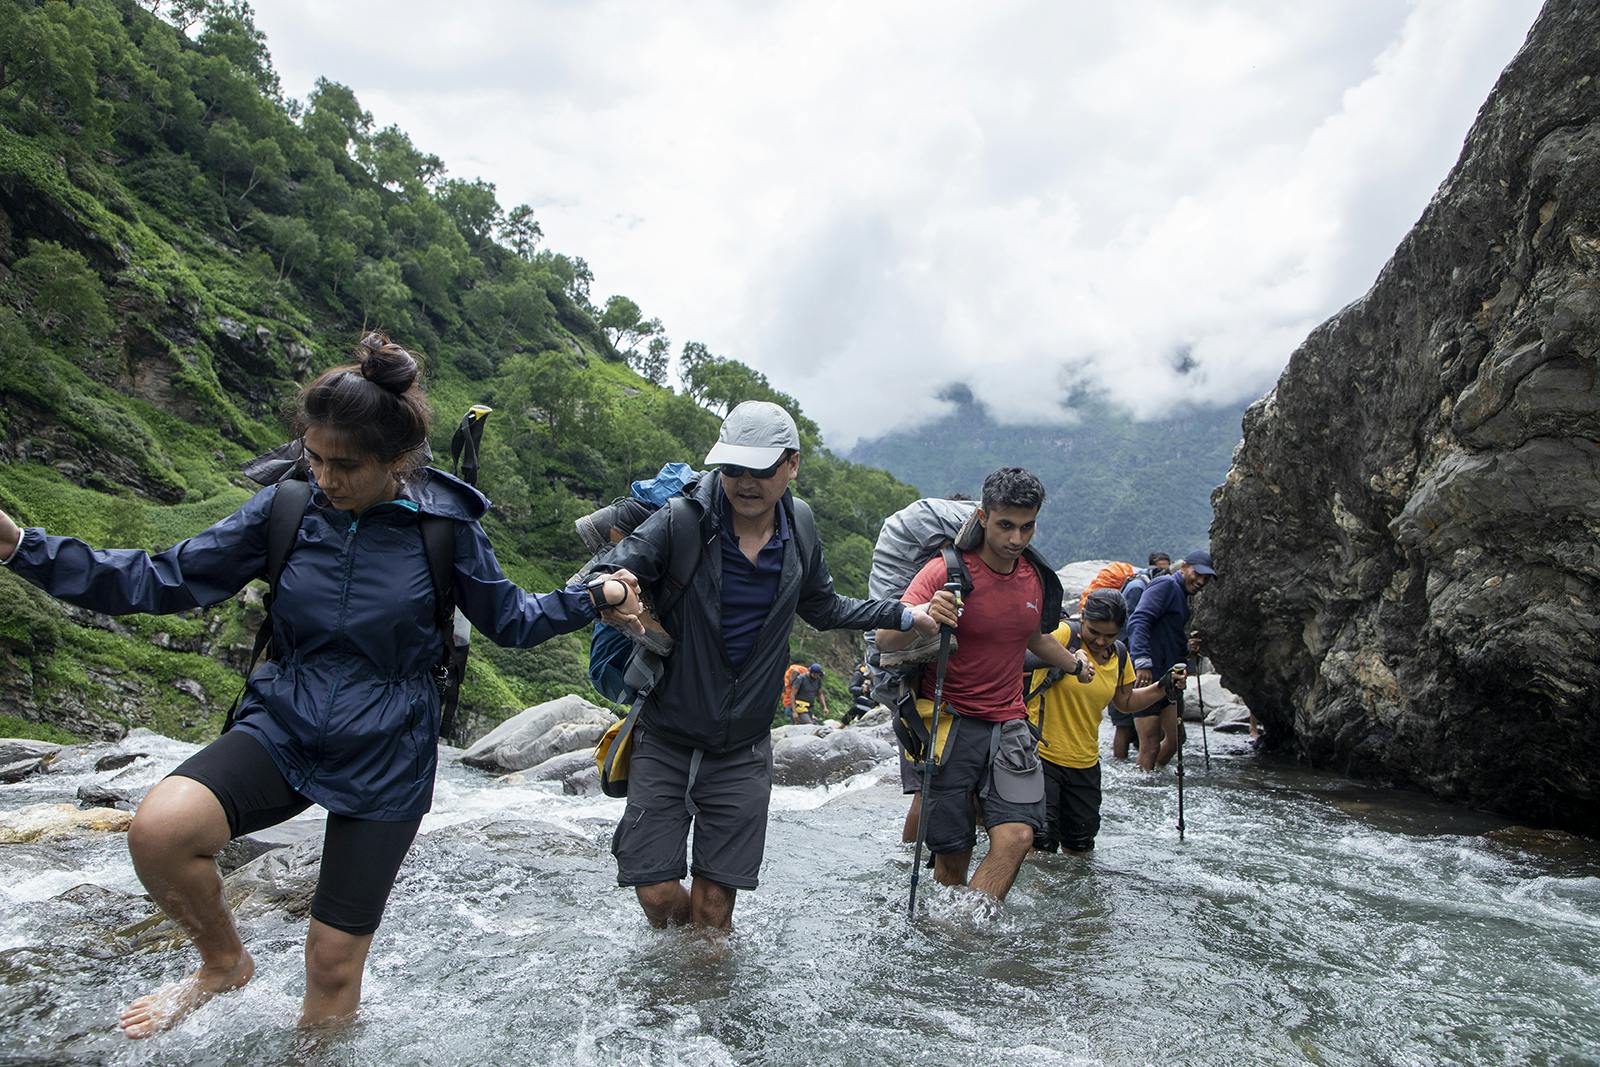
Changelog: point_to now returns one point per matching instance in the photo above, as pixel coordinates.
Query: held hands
(10, 535)
(1144, 676)
(621, 592)
(1085, 671)
(945, 608)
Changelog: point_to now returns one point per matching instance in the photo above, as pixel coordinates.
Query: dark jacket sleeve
(827, 610)
(499, 608)
(644, 551)
(1152, 604)
(202, 570)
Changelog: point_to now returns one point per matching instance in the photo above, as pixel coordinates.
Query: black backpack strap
(283, 529)
(1074, 642)
(439, 541)
(955, 569)
(688, 535)
(803, 524)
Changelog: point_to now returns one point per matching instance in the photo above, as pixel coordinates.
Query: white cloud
(869, 201)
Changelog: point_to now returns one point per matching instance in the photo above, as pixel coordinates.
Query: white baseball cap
(755, 434)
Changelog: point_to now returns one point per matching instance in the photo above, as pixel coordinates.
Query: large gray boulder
(576, 771)
(1075, 578)
(565, 724)
(1410, 535)
(823, 755)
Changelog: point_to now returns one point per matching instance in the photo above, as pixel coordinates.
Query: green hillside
(1116, 488)
(181, 245)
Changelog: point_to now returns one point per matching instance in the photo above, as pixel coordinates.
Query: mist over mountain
(1116, 488)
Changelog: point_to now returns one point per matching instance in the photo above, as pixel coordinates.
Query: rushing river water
(1303, 920)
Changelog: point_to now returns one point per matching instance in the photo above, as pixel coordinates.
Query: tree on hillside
(652, 365)
(473, 208)
(721, 384)
(232, 34)
(626, 326)
(522, 232)
(68, 296)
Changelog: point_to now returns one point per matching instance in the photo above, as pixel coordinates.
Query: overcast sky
(871, 201)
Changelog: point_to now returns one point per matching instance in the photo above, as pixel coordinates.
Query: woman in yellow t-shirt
(1068, 717)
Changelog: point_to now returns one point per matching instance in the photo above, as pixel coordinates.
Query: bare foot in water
(167, 1006)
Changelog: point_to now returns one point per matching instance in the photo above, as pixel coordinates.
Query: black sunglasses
(733, 470)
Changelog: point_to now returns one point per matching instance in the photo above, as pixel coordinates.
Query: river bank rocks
(530, 737)
(1409, 537)
(44, 822)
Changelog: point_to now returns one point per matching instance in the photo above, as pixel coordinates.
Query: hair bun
(385, 363)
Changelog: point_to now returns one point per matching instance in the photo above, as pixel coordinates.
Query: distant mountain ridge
(1116, 488)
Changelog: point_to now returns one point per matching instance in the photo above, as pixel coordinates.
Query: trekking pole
(929, 756)
(464, 446)
(1205, 746)
(1180, 766)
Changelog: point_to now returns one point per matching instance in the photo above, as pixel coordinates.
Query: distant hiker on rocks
(860, 693)
(808, 695)
(702, 754)
(987, 753)
(345, 712)
(1159, 563)
(1068, 717)
(1158, 639)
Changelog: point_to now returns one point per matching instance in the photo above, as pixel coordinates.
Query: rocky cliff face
(1411, 527)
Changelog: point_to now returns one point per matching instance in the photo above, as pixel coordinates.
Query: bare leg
(334, 964)
(665, 904)
(1121, 738)
(711, 905)
(1009, 844)
(1149, 727)
(950, 868)
(1171, 735)
(908, 832)
(174, 839)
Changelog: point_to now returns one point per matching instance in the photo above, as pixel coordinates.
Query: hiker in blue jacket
(346, 713)
(1158, 639)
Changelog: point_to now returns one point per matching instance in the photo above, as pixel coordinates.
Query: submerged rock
(41, 822)
(23, 768)
(117, 760)
(558, 726)
(18, 749)
(1409, 537)
(823, 755)
(103, 796)
(576, 771)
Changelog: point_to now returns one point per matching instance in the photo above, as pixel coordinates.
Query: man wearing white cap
(702, 749)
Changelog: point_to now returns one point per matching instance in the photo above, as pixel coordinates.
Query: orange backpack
(1111, 576)
(795, 670)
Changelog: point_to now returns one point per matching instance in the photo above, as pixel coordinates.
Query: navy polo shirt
(748, 589)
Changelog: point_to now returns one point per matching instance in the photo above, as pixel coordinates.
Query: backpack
(438, 541)
(795, 670)
(1134, 588)
(1111, 576)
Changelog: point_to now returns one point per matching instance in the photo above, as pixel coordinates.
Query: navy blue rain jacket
(348, 710)
(1158, 627)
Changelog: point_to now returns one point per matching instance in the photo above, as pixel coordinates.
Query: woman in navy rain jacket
(347, 714)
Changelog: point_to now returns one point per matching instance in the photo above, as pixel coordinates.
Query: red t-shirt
(999, 616)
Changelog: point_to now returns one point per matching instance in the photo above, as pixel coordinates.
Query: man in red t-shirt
(987, 751)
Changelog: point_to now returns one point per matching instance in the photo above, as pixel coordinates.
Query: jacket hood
(445, 495)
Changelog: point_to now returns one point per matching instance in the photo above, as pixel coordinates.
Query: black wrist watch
(597, 593)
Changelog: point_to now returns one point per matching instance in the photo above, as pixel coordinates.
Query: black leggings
(360, 857)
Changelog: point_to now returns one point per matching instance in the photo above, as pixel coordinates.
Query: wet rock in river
(17, 749)
(40, 822)
(23, 768)
(117, 760)
(566, 724)
(576, 771)
(103, 796)
(823, 755)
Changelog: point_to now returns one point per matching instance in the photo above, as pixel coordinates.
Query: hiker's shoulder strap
(687, 538)
(803, 524)
(955, 568)
(439, 542)
(283, 527)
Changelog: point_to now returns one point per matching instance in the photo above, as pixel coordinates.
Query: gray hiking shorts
(997, 763)
(727, 807)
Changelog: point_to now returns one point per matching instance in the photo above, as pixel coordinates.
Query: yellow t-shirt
(1070, 720)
